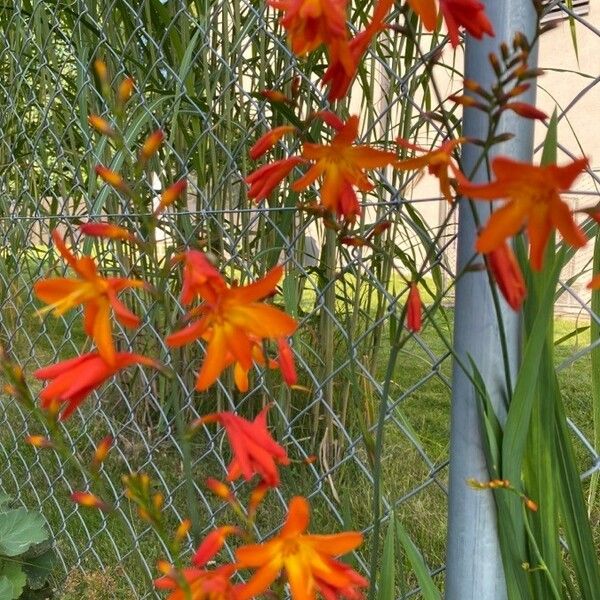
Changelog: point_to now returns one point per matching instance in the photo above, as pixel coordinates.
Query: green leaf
(429, 590)
(19, 530)
(387, 577)
(12, 580)
(4, 499)
(39, 568)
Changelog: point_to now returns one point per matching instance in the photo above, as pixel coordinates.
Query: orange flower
(266, 178)
(507, 274)
(345, 58)
(72, 380)
(437, 161)
(414, 309)
(311, 23)
(533, 198)
(269, 139)
(106, 230)
(97, 294)
(342, 166)
(89, 500)
(232, 321)
(196, 583)
(255, 452)
(308, 560)
(427, 11)
(594, 284)
(469, 14)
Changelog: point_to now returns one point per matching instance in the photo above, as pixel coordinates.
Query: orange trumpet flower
(269, 139)
(427, 12)
(74, 379)
(342, 166)
(97, 294)
(196, 583)
(311, 23)
(345, 58)
(232, 320)
(106, 230)
(266, 178)
(255, 452)
(507, 275)
(438, 162)
(308, 560)
(533, 199)
(469, 14)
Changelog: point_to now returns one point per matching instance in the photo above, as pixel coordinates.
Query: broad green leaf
(39, 568)
(429, 590)
(11, 573)
(19, 530)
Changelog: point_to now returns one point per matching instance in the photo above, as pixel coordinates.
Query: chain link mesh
(196, 66)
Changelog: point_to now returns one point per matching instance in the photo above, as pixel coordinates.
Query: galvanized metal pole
(474, 566)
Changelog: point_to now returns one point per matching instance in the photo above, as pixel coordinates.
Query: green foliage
(26, 555)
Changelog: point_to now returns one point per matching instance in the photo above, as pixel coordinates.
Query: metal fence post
(474, 566)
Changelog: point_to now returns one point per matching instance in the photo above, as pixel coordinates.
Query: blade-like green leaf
(387, 577)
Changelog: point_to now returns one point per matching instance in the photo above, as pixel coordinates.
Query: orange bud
(519, 89)
(354, 241)
(170, 195)
(530, 504)
(125, 90)
(594, 284)
(311, 459)
(158, 500)
(182, 530)
(507, 275)
(101, 125)
(257, 495)
(212, 543)
(89, 500)
(106, 230)
(220, 489)
(151, 145)
(112, 178)
(38, 441)
(274, 96)
(166, 568)
(101, 71)
(465, 101)
(268, 140)
(102, 450)
(286, 362)
(414, 318)
(526, 110)
(379, 228)
(9, 390)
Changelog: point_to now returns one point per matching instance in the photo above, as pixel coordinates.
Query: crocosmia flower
(97, 294)
(438, 161)
(308, 560)
(72, 380)
(507, 275)
(255, 452)
(197, 583)
(533, 199)
(414, 309)
(341, 165)
(312, 23)
(89, 500)
(427, 11)
(469, 14)
(232, 320)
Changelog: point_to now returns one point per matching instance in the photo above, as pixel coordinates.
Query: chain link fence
(197, 67)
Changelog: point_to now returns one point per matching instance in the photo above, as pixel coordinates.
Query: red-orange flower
(97, 294)
(255, 452)
(232, 321)
(507, 274)
(345, 58)
(266, 178)
(342, 166)
(102, 450)
(311, 23)
(72, 380)
(196, 583)
(427, 11)
(308, 560)
(469, 14)
(171, 194)
(438, 162)
(269, 139)
(533, 199)
(414, 309)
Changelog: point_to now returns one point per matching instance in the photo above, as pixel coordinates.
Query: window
(557, 12)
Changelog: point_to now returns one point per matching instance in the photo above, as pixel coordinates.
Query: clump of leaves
(26, 554)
